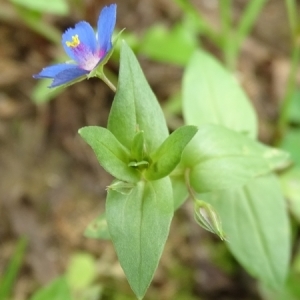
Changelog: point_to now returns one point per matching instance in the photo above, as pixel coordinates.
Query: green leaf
(219, 158)
(135, 107)
(81, 271)
(291, 290)
(225, 173)
(138, 147)
(291, 143)
(98, 229)
(159, 44)
(277, 159)
(56, 290)
(290, 181)
(58, 7)
(214, 141)
(180, 192)
(139, 225)
(167, 156)
(112, 156)
(211, 95)
(256, 224)
(8, 278)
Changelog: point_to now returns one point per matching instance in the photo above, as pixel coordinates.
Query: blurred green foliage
(57, 7)
(7, 280)
(76, 284)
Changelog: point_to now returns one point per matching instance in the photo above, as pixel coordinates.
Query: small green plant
(214, 160)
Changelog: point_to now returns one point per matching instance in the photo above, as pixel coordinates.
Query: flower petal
(67, 75)
(86, 39)
(106, 25)
(52, 71)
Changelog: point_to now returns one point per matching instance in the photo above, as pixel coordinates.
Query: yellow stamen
(75, 41)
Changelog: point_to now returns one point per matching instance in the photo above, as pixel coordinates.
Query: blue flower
(84, 47)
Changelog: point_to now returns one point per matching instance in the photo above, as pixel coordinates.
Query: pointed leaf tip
(135, 105)
(111, 154)
(168, 155)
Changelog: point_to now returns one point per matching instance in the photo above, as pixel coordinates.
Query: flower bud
(206, 216)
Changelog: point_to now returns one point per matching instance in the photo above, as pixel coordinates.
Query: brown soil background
(51, 185)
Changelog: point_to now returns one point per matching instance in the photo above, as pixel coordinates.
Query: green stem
(201, 24)
(108, 82)
(187, 183)
(250, 15)
(290, 89)
(283, 122)
(226, 23)
(204, 213)
(292, 16)
(245, 25)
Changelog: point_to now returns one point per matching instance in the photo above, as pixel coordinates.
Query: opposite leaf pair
(135, 165)
(138, 151)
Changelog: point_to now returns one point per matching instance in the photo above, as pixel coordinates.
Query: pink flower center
(86, 59)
